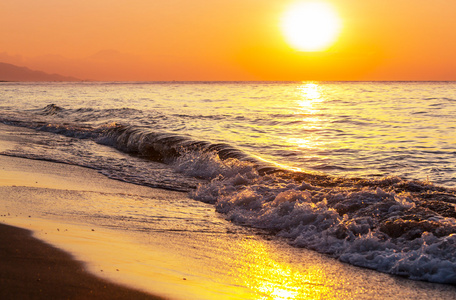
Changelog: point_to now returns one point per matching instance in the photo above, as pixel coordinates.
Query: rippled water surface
(352, 129)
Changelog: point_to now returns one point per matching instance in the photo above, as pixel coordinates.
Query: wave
(390, 225)
(50, 110)
(152, 144)
(161, 146)
(400, 227)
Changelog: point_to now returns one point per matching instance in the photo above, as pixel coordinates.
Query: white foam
(308, 216)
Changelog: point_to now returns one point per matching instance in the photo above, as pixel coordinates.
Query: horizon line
(216, 81)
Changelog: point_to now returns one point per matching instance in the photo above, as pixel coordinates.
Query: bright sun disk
(311, 26)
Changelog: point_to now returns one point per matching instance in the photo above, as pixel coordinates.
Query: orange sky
(226, 40)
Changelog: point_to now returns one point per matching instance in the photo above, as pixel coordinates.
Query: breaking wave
(405, 228)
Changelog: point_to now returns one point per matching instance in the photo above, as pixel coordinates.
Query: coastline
(223, 261)
(47, 198)
(116, 256)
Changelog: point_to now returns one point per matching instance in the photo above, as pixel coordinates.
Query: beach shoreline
(187, 252)
(45, 198)
(113, 255)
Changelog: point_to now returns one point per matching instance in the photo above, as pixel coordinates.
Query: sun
(310, 26)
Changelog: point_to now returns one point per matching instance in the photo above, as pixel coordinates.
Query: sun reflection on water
(309, 94)
(309, 97)
(271, 278)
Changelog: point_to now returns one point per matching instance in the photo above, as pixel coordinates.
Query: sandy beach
(183, 250)
(32, 269)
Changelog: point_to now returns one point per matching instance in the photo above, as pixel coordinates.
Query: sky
(151, 40)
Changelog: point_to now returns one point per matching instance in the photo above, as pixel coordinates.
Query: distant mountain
(9, 72)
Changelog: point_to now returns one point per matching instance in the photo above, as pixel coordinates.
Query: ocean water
(364, 172)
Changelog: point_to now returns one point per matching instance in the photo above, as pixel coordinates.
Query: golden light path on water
(324, 124)
(309, 96)
(306, 108)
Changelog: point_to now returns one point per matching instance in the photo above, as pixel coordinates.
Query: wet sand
(32, 269)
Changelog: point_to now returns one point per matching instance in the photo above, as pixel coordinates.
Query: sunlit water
(350, 129)
(361, 171)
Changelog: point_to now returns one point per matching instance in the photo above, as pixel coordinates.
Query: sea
(363, 172)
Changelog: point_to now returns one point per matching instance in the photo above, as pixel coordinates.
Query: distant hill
(9, 72)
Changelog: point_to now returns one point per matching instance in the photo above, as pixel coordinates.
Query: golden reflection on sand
(271, 278)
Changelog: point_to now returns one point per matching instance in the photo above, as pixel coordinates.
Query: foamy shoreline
(106, 254)
(229, 264)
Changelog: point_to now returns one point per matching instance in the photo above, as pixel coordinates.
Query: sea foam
(387, 228)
